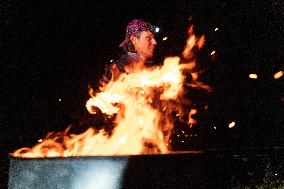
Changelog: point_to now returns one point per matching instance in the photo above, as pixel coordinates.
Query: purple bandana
(134, 28)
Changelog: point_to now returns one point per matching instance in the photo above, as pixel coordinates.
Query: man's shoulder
(123, 61)
(122, 58)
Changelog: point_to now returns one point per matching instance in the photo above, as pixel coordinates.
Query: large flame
(139, 101)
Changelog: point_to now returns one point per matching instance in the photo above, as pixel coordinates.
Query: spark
(214, 127)
(231, 125)
(216, 29)
(157, 29)
(278, 75)
(165, 38)
(253, 76)
(59, 99)
(212, 53)
(40, 140)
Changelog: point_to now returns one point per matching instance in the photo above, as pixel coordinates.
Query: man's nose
(154, 42)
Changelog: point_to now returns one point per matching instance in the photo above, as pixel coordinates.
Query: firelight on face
(145, 44)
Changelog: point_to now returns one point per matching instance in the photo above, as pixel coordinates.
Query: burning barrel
(179, 170)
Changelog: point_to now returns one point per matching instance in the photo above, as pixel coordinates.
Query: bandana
(134, 28)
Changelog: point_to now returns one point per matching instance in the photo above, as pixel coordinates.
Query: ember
(139, 102)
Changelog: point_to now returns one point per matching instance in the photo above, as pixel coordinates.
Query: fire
(139, 102)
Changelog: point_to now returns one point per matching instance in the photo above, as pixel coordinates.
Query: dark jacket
(118, 67)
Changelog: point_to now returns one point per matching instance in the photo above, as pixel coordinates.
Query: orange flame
(142, 125)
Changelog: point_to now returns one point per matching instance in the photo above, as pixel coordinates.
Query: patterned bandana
(134, 28)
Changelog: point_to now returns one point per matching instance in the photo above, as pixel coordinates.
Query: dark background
(53, 50)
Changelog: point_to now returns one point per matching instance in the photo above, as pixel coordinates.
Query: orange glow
(278, 75)
(191, 42)
(142, 125)
(191, 120)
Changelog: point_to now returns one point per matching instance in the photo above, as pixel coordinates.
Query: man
(139, 45)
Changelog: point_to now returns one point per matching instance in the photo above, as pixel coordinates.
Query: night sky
(53, 50)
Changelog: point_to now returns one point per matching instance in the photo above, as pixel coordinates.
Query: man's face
(145, 44)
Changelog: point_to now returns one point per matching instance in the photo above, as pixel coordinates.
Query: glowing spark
(214, 127)
(40, 140)
(231, 125)
(253, 76)
(111, 60)
(278, 75)
(212, 53)
(157, 29)
(59, 100)
(216, 29)
(165, 38)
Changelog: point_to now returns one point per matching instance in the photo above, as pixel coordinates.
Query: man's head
(139, 39)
